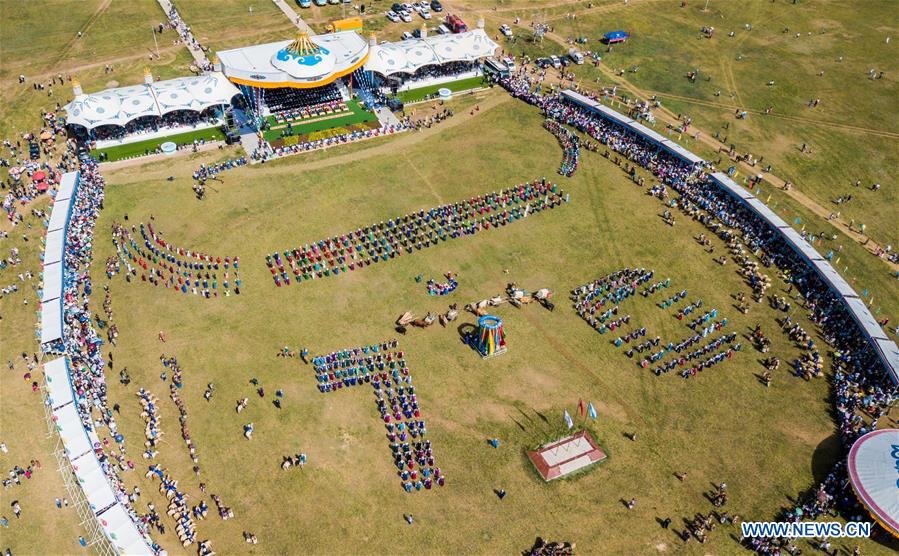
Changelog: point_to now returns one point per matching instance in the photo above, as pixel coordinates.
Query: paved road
(199, 56)
(291, 15)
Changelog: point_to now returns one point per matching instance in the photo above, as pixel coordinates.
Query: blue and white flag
(568, 420)
(591, 411)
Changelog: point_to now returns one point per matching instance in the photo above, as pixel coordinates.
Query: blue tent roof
(616, 36)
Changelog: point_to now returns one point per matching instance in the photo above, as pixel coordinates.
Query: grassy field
(842, 40)
(142, 148)
(767, 444)
(422, 93)
(554, 358)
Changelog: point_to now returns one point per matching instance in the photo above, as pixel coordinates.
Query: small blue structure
(616, 37)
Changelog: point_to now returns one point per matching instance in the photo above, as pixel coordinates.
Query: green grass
(142, 148)
(553, 360)
(768, 444)
(422, 93)
(357, 115)
(740, 68)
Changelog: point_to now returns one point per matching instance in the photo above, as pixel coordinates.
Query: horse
(425, 322)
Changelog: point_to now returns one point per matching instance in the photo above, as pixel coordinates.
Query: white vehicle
(416, 7)
(506, 30)
(555, 61)
(405, 16)
(443, 29)
(407, 35)
(576, 56)
(425, 15)
(391, 15)
(407, 6)
(510, 62)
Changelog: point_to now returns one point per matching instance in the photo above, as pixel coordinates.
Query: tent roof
(71, 430)
(52, 282)
(53, 245)
(59, 215)
(613, 35)
(410, 55)
(682, 152)
(57, 374)
(302, 63)
(51, 321)
(872, 472)
(121, 105)
(66, 186)
(120, 528)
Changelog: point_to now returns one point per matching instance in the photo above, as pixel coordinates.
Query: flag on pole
(580, 407)
(591, 411)
(568, 420)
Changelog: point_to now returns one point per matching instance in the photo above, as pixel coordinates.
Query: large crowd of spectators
(81, 342)
(426, 74)
(862, 389)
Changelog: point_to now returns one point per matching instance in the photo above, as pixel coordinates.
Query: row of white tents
(106, 507)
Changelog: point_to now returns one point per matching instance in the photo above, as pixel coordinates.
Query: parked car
(554, 60)
(510, 62)
(506, 30)
(443, 29)
(391, 15)
(305, 3)
(416, 33)
(406, 35)
(456, 24)
(425, 15)
(576, 56)
(397, 7)
(334, 1)
(406, 16)
(436, 6)
(543, 62)
(321, 2)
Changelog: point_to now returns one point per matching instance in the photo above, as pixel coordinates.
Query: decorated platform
(566, 456)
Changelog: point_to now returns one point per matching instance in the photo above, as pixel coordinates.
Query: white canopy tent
(71, 430)
(120, 528)
(52, 282)
(51, 321)
(121, 105)
(67, 185)
(93, 482)
(872, 472)
(59, 215)
(409, 56)
(53, 246)
(56, 373)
